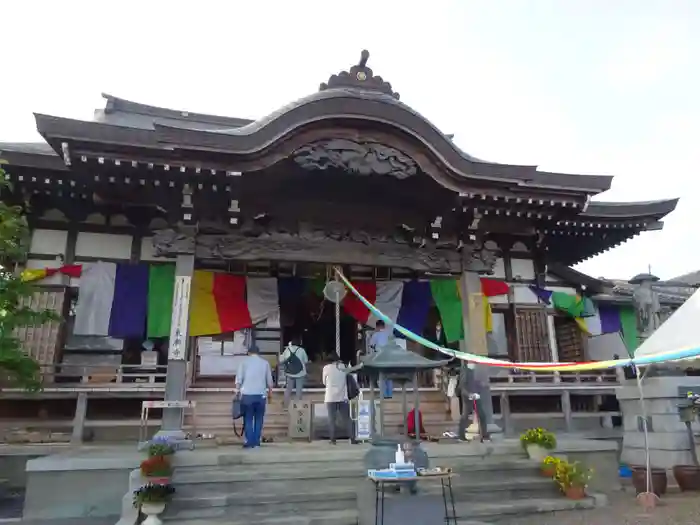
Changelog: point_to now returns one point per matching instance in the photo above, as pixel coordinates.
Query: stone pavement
(675, 509)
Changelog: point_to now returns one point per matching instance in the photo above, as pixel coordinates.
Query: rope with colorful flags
(672, 355)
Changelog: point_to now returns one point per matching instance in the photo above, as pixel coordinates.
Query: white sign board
(363, 428)
(178, 330)
(363, 425)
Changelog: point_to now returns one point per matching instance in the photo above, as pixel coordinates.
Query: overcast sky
(585, 86)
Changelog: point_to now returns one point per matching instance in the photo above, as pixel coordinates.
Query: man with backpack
(293, 361)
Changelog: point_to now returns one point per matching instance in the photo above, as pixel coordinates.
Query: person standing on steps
(294, 360)
(254, 386)
(469, 386)
(380, 338)
(336, 376)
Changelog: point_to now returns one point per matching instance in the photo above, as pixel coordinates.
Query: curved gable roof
(122, 112)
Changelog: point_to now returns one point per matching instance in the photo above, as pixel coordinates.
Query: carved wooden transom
(363, 158)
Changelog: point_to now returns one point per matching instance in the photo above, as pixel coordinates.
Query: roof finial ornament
(360, 77)
(364, 57)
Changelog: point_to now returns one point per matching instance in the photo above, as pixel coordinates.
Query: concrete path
(675, 509)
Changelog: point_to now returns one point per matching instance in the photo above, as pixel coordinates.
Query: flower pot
(575, 492)
(536, 452)
(659, 481)
(151, 510)
(158, 480)
(548, 471)
(688, 477)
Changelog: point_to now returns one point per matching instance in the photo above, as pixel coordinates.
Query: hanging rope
(337, 323)
(671, 355)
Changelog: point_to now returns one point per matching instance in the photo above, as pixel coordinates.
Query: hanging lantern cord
(337, 324)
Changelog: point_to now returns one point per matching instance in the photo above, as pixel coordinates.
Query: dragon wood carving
(357, 248)
(363, 158)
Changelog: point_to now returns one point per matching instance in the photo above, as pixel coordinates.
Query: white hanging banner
(178, 328)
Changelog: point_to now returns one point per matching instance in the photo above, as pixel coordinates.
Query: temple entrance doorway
(312, 320)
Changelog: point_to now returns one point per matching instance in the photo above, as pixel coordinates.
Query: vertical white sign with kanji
(178, 329)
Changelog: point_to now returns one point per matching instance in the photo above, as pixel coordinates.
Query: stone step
(474, 488)
(250, 504)
(333, 517)
(505, 510)
(283, 419)
(467, 469)
(469, 513)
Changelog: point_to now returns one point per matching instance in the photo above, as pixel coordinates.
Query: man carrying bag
(253, 388)
(294, 360)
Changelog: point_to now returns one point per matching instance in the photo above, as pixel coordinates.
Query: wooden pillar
(79, 419)
(380, 384)
(552, 335)
(475, 325)
(404, 407)
(506, 421)
(176, 378)
(372, 409)
(416, 406)
(566, 407)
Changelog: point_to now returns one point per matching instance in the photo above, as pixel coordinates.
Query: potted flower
(688, 476)
(536, 442)
(572, 479)
(549, 466)
(160, 446)
(157, 469)
(151, 499)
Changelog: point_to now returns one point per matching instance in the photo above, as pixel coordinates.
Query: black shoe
(334, 442)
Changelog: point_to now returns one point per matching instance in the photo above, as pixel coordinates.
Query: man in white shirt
(380, 338)
(335, 379)
(294, 360)
(254, 385)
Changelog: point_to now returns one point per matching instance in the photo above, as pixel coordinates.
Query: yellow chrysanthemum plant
(549, 466)
(538, 436)
(572, 475)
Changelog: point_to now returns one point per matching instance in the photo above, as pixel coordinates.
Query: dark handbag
(237, 413)
(352, 387)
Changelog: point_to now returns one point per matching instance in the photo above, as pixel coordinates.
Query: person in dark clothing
(469, 386)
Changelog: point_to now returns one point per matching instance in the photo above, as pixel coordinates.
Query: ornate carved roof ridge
(360, 77)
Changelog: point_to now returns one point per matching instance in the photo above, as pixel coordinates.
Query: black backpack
(293, 366)
(353, 388)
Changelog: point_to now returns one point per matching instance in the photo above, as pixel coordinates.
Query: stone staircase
(319, 484)
(213, 414)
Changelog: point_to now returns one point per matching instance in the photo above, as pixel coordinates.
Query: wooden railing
(97, 375)
(543, 378)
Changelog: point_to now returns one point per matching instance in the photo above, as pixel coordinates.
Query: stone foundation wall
(668, 441)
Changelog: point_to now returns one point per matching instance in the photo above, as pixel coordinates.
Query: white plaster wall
(520, 247)
(522, 268)
(605, 346)
(564, 289)
(51, 242)
(523, 295)
(103, 245)
(498, 299)
(147, 251)
(499, 334)
(499, 270)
